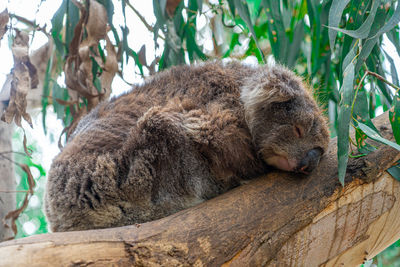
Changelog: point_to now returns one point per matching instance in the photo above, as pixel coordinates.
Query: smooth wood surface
(281, 219)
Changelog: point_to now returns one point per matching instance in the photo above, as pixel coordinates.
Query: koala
(184, 136)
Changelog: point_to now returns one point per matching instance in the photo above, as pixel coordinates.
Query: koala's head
(287, 126)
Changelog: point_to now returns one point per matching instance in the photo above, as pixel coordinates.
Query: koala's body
(186, 135)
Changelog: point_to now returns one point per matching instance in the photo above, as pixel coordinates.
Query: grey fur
(186, 135)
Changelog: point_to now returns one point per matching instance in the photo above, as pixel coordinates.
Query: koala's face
(287, 127)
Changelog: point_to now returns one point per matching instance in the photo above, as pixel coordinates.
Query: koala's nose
(310, 161)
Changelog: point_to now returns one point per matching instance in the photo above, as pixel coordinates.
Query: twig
(30, 23)
(376, 75)
(148, 26)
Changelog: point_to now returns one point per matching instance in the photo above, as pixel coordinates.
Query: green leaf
(393, 21)
(344, 117)
(395, 171)
(375, 136)
(393, 71)
(163, 5)
(57, 25)
(58, 93)
(135, 56)
(244, 13)
(335, 14)
(72, 20)
(370, 43)
(295, 45)
(232, 7)
(394, 118)
(349, 57)
(199, 5)
(363, 31)
(276, 30)
(394, 38)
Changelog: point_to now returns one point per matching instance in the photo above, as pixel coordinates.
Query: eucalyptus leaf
(375, 136)
(393, 36)
(335, 14)
(344, 118)
(363, 31)
(393, 70)
(395, 171)
(393, 21)
(244, 13)
(370, 43)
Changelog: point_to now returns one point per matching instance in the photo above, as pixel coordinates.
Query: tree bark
(281, 219)
(7, 178)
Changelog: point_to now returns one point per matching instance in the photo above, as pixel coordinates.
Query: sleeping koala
(186, 135)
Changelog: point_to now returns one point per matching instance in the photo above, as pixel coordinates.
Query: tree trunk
(280, 219)
(7, 179)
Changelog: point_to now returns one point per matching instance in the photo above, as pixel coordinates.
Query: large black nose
(310, 161)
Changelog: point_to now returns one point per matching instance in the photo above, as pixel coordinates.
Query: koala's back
(140, 156)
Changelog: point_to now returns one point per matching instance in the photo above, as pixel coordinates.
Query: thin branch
(376, 75)
(148, 26)
(30, 23)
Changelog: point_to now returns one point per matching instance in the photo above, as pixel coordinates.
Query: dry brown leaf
(24, 77)
(4, 17)
(13, 215)
(171, 6)
(97, 23)
(78, 67)
(142, 55)
(109, 69)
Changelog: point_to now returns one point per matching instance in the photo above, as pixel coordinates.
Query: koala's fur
(184, 136)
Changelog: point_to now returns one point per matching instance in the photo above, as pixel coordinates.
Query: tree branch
(280, 219)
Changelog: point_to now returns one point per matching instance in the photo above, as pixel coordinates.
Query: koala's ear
(271, 85)
(281, 84)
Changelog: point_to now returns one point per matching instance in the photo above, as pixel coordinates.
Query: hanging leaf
(393, 71)
(335, 14)
(344, 118)
(393, 36)
(244, 13)
(363, 31)
(393, 21)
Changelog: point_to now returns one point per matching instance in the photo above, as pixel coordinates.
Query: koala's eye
(298, 131)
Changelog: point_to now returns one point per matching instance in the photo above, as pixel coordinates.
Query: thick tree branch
(279, 219)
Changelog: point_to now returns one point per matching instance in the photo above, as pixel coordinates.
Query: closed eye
(298, 131)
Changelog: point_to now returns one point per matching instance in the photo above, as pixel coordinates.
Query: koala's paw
(160, 124)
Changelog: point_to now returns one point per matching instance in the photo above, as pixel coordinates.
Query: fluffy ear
(271, 84)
